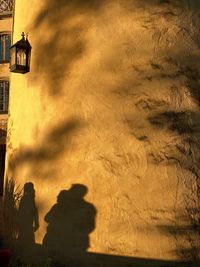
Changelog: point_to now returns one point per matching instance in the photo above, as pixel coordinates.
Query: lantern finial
(23, 35)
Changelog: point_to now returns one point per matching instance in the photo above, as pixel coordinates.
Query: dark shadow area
(27, 216)
(21, 221)
(12, 196)
(106, 260)
(2, 167)
(65, 244)
(70, 221)
(187, 246)
(5, 253)
(181, 122)
(28, 224)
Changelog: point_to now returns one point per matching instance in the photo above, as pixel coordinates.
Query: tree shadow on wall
(184, 233)
(172, 113)
(65, 23)
(49, 148)
(184, 124)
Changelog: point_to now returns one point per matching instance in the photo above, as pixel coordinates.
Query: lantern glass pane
(13, 56)
(21, 57)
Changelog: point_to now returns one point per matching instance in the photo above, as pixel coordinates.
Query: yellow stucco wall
(105, 105)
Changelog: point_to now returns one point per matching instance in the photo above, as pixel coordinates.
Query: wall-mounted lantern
(20, 56)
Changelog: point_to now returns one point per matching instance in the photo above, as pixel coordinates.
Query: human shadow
(66, 243)
(27, 216)
(28, 224)
(70, 221)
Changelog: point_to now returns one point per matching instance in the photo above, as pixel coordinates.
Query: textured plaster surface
(112, 102)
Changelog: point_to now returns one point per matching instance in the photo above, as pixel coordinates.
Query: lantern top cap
(23, 42)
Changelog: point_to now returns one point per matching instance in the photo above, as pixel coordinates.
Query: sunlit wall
(111, 102)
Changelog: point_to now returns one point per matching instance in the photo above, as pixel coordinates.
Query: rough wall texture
(112, 103)
(5, 27)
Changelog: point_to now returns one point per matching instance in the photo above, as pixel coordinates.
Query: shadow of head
(76, 192)
(29, 189)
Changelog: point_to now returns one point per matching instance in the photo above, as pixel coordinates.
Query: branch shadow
(48, 148)
(64, 24)
(65, 43)
(171, 111)
(188, 248)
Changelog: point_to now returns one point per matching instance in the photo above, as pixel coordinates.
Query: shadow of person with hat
(70, 221)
